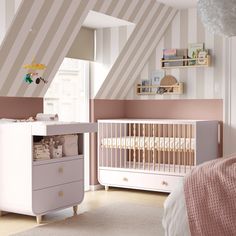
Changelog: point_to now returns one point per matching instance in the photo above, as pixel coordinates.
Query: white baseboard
(96, 187)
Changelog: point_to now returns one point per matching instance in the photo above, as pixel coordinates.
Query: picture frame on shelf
(193, 51)
(156, 77)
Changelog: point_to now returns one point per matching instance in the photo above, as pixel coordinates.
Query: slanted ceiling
(46, 29)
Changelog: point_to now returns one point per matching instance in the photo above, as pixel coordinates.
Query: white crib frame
(157, 168)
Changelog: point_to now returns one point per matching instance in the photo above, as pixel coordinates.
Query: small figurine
(37, 81)
(28, 78)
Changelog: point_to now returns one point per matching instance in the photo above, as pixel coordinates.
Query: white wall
(230, 97)
(200, 83)
(8, 9)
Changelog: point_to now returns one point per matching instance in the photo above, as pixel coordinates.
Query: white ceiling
(180, 3)
(97, 20)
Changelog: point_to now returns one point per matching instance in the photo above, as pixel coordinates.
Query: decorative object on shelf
(202, 58)
(218, 16)
(193, 51)
(175, 89)
(32, 68)
(195, 56)
(47, 117)
(168, 80)
(156, 77)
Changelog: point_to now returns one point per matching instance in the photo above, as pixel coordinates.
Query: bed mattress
(149, 143)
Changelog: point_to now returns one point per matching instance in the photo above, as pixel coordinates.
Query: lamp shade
(218, 16)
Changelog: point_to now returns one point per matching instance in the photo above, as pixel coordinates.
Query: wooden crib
(153, 154)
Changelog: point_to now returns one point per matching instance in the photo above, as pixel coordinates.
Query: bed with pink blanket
(204, 204)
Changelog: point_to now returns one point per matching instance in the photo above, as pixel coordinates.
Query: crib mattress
(150, 143)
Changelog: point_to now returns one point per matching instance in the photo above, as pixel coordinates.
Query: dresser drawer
(49, 175)
(61, 196)
(146, 181)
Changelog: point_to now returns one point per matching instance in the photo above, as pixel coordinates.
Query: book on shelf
(193, 51)
(144, 83)
(174, 63)
(169, 53)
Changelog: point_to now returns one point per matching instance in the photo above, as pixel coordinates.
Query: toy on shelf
(32, 74)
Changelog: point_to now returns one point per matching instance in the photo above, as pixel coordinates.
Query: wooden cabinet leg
(106, 188)
(39, 219)
(75, 209)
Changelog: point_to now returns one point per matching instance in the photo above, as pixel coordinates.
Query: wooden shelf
(176, 89)
(186, 63)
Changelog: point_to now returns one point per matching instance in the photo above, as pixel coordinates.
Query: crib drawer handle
(125, 179)
(164, 183)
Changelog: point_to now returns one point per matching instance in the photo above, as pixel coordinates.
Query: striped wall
(109, 44)
(150, 28)
(46, 29)
(200, 83)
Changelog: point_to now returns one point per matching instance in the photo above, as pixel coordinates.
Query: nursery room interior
(117, 117)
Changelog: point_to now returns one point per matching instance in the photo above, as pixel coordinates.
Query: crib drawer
(61, 196)
(146, 181)
(57, 173)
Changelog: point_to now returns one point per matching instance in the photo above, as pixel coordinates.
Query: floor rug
(119, 219)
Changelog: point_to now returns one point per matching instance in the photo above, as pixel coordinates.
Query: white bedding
(149, 143)
(175, 220)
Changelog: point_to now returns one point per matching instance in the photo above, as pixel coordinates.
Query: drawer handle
(60, 170)
(125, 179)
(60, 193)
(164, 183)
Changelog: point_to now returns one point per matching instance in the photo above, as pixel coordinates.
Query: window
(68, 96)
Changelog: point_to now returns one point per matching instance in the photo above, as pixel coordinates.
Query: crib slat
(179, 150)
(153, 150)
(139, 148)
(129, 145)
(144, 150)
(125, 151)
(116, 149)
(134, 154)
(158, 142)
(107, 136)
(185, 148)
(174, 150)
(164, 152)
(149, 146)
(102, 145)
(168, 135)
(120, 144)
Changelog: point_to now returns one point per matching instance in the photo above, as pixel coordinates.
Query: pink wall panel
(175, 109)
(20, 107)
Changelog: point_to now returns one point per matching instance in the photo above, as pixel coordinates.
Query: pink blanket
(210, 194)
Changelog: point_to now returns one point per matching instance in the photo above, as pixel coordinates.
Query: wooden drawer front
(57, 173)
(144, 181)
(61, 196)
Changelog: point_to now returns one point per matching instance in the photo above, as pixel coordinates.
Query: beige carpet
(120, 219)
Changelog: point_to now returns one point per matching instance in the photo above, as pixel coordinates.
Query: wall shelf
(199, 62)
(176, 89)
